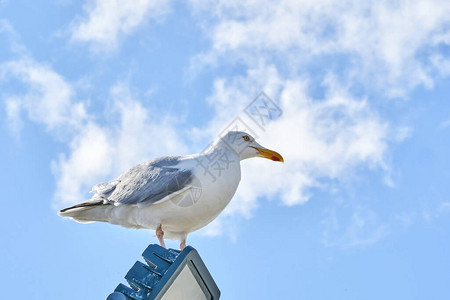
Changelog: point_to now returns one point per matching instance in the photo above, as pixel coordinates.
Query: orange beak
(269, 154)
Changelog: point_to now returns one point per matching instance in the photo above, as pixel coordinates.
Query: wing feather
(146, 183)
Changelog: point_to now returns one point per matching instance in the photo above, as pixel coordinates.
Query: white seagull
(179, 194)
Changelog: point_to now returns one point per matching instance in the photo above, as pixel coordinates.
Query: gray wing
(146, 183)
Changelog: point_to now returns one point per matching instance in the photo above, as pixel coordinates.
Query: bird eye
(246, 138)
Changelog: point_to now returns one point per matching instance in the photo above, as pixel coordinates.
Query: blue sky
(359, 210)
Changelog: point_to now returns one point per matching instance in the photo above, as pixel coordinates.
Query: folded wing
(150, 182)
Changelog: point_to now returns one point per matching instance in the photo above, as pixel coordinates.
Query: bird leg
(160, 235)
(183, 244)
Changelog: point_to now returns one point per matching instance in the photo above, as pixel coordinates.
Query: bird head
(246, 146)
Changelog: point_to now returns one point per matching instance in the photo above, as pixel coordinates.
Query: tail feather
(86, 212)
(84, 204)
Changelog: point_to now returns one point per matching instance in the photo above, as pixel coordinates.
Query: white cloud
(89, 159)
(97, 152)
(102, 152)
(108, 20)
(47, 100)
(388, 48)
(320, 139)
(382, 43)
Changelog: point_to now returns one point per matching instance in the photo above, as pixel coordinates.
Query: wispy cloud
(437, 211)
(360, 228)
(12, 38)
(445, 124)
(107, 21)
(444, 208)
(406, 219)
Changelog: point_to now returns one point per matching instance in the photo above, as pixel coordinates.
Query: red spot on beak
(269, 154)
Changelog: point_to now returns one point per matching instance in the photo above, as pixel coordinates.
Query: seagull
(173, 195)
